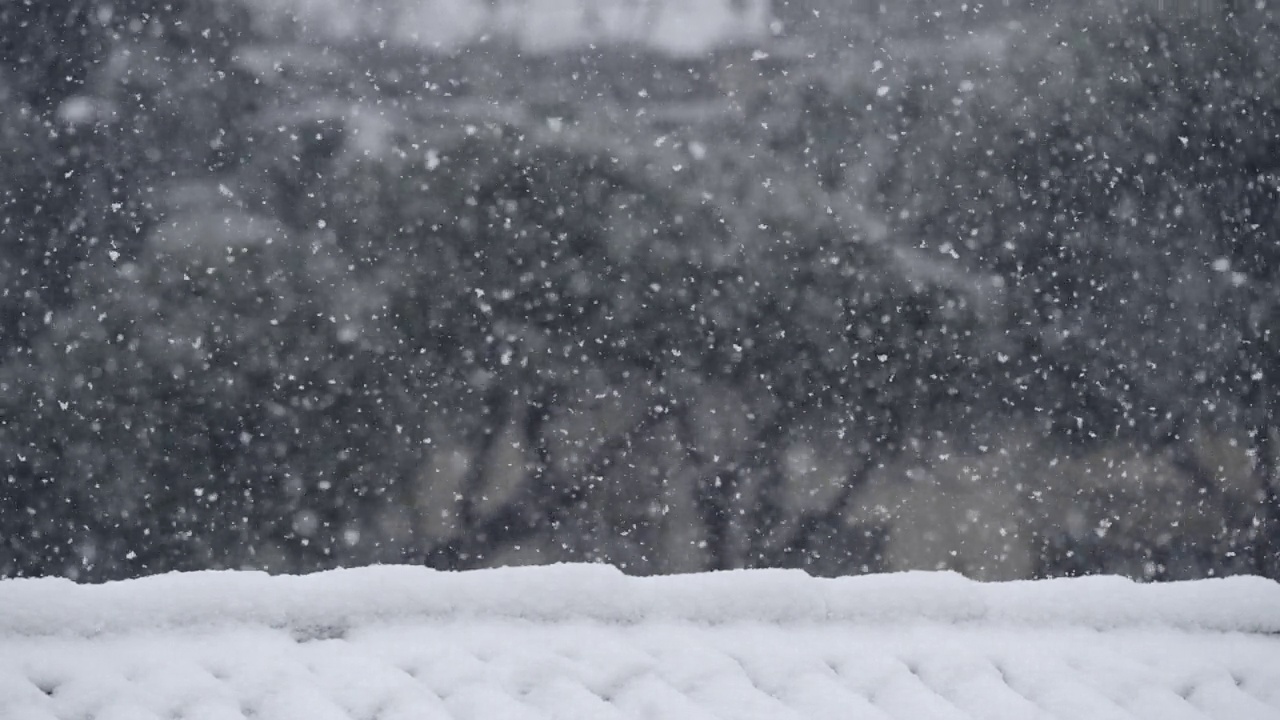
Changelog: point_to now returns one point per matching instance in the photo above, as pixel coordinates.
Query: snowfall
(586, 641)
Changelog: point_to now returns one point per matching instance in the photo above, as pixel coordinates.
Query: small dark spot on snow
(319, 632)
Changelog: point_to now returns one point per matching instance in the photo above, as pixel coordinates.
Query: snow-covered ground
(680, 27)
(587, 642)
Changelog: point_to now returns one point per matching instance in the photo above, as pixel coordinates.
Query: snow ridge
(598, 593)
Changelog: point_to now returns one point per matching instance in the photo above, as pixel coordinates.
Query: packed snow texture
(604, 594)
(588, 642)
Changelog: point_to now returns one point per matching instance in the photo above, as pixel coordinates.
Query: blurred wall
(680, 28)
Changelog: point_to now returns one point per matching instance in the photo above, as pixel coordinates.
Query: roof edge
(600, 593)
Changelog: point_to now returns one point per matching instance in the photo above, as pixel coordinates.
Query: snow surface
(604, 594)
(585, 641)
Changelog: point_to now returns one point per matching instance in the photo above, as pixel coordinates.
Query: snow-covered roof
(401, 643)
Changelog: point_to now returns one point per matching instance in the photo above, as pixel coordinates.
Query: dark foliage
(255, 307)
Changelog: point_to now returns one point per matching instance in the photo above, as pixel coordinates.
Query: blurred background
(842, 285)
